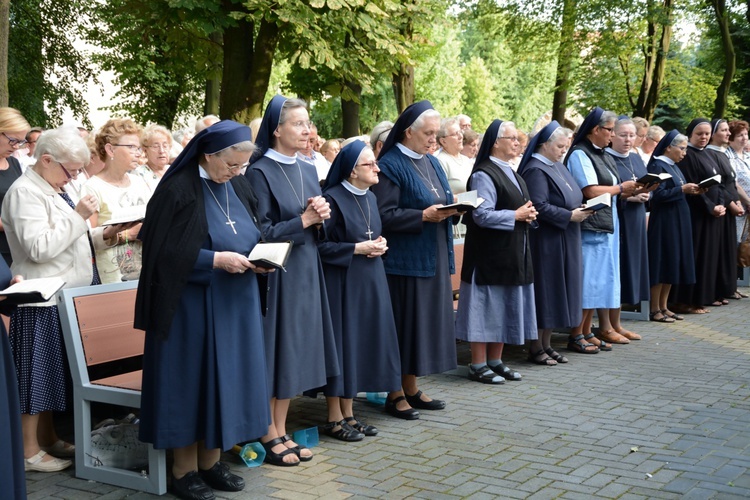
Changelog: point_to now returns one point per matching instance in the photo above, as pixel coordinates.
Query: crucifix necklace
(366, 219)
(301, 184)
(426, 178)
(630, 168)
(229, 221)
(553, 169)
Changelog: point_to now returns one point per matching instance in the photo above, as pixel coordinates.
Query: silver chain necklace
(425, 177)
(368, 219)
(229, 221)
(301, 183)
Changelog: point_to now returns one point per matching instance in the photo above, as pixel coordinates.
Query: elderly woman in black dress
(204, 376)
(670, 243)
(420, 256)
(300, 346)
(556, 243)
(361, 309)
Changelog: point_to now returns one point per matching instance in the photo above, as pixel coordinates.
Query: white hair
(63, 144)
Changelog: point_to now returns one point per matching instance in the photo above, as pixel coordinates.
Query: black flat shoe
(416, 402)
(506, 372)
(367, 430)
(392, 410)
(342, 431)
(219, 478)
(278, 458)
(191, 487)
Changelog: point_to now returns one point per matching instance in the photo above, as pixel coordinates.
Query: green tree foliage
(45, 69)
(437, 73)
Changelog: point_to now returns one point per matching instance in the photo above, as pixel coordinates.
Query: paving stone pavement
(665, 417)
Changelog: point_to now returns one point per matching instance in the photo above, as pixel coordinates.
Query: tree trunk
(247, 69)
(649, 57)
(350, 111)
(4, 30)
(660, 65)
(213, 83)
(403, 86)
(564, 61)
(730, 62)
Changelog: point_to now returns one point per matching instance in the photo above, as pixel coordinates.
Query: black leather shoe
(219, 478)
(392, 410)
(191, 487)
(416, 402)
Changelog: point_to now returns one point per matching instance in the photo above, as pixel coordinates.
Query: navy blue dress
(300, 345)
(12, 475)
(670, 235)
(634, 279)
(555, 245)
(206, 380)
(360, 302)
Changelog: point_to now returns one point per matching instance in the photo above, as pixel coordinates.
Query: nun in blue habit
(300, 345)
(204, 370)
(670, 234)
(496, 298)
(357, 288)
(419, 261)
(556, 243)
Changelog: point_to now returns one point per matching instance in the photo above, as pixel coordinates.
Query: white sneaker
(37, 463)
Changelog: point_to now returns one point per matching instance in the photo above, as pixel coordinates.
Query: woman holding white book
(48, 236)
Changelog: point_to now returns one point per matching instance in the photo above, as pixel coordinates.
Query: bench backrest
(105, 322)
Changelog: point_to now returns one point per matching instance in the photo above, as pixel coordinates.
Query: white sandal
(37, 463)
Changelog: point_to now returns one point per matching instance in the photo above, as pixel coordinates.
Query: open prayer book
(271, 254)
(127, 215)
(711, 181)
(465, 201)
(32, 291)
(651, 179)
(598, 202)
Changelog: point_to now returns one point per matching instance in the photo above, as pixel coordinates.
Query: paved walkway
(666, 417)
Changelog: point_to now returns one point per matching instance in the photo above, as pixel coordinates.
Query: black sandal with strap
(603, 346)
(358, 425)
(297, 449)
(278, 458)
(578, 344)
(542, 358)
(345, 432)
(555, 355)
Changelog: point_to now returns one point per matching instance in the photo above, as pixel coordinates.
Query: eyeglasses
(15, 143)
(371, 165)
(156, 147)
(232, 168)
(511, 139)
(608, 129)
(302, 124)
(68, 173)
(132, 147)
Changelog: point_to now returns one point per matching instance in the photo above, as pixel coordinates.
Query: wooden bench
(97, 324)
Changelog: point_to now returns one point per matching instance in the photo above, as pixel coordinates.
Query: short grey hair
(147, 135)
(426, 115)
(377, 133)
(205, 122)
(63, 144)
(242, 147)
(607, 117)
(678, 139)
(655, 133)
(444, 124)
(622, 122)
(289, 105)
(640, 122)
(557, 134)
(502, 128)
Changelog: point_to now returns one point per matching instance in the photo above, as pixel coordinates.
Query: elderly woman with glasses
(300, 345)
(157, 144)
(13, 130)
(116, 189)
(451, 140)
(48, 236)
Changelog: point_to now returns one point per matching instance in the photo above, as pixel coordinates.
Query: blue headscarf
(490, 136)
(344, 163)
(268, 126)
(664, 143)
(405, 120)
(591, 121)
(540, 138)
(211, 140)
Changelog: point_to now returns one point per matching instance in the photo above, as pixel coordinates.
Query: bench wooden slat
(130, 380)
(106, 324)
